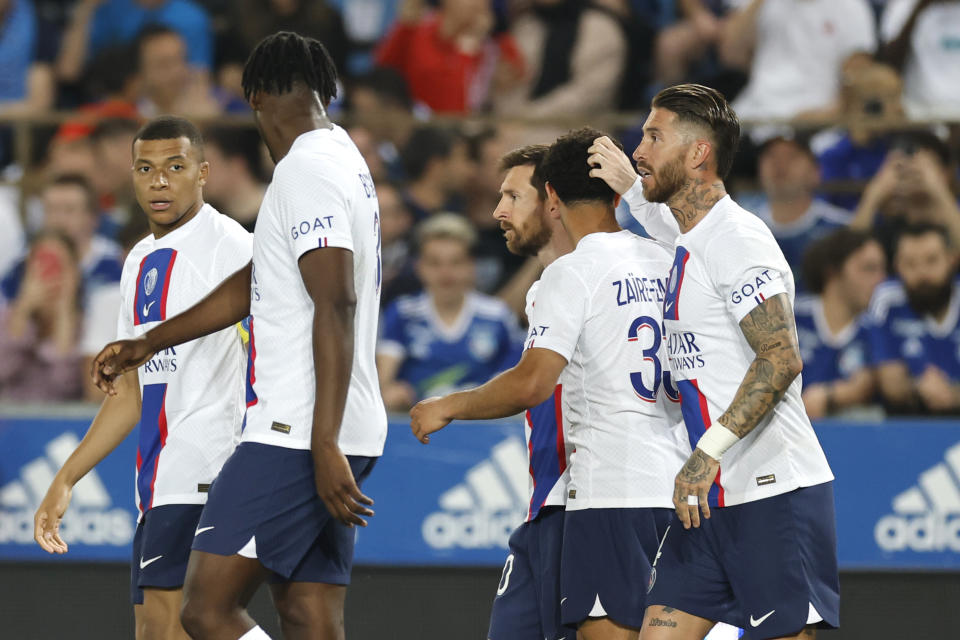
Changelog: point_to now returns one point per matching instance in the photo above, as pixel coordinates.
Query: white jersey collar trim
(836, 340)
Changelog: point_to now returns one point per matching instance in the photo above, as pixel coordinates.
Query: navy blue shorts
(760, 565)
(528, 597)
(161, 548)
(607, 554)
(268, 494)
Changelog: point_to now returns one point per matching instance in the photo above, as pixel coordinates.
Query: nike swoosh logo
(199, 531)
(759, 621)
(146, 307)
(144, 563)
(667, 306)
(561, 600)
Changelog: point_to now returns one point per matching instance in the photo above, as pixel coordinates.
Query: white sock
(255, 634)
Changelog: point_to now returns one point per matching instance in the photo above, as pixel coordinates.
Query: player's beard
(531, 240)
(928, 298)
(667, 181)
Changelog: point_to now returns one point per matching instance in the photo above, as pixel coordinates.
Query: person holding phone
(39, 361)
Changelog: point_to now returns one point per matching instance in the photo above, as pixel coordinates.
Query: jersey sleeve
(314, 205)
(655, 218)
(392, 335)
(560, 311)
(748, 272)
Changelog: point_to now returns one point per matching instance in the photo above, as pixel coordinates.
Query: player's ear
(552, 203)
(204, 172)
(700, 152)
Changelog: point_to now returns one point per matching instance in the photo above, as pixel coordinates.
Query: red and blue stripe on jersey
(251, 377)
(696, 417)
(153, 285)
(548, 456)
(671, 302)
(153, 437)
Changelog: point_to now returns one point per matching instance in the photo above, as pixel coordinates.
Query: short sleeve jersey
(600, 308)
(192, 394)
(723, 268)
(321, 196)
(438, 359)
(898, 333)
(828, 356)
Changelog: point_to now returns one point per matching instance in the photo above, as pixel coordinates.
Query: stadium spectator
(396, 226)
(26, 83)
(112, 140)
(452, 59)
(575, 54)
(841, 271)
(852, 155)
(921, 40)
(914, 322)
(913, 185)
(790, 176)
(253, 20)
(99, 24)
(380, 103)
(234, 184)
(450, 336)
(70, 208)
(688, 40)
(437, 165)
(794, 51)
(39, 361)
(168, 84)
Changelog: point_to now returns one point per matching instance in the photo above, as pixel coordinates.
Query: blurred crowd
(849, 155)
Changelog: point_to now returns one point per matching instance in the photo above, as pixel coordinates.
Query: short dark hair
(81, 182)
(826, 256)
(148, 32)
(171, 128)
(387, 84)
(238, 142)
(531, 155)
(700, 105)
(912, 141)
(425, 144)
(917, 229)
(565, 168)
(284, 58)
(800, 142)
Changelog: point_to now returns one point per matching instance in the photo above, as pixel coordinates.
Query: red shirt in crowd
(439, 74)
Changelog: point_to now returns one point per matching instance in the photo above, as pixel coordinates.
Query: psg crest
(150, 281)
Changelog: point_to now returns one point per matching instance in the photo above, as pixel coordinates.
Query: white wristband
(716, 440)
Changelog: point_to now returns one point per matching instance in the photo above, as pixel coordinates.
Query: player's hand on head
(337, 487)
(692, 487)
(426, 417)
(46, 522)
(611, 165)
(117, 358)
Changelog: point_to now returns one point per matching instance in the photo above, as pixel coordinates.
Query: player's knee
(199, 619)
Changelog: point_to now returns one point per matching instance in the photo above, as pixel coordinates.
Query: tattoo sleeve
(771, 332)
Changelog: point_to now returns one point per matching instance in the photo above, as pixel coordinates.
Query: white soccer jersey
(600, 308)
(192, 394)
(723, 268)
(545, 428)
(321, 195)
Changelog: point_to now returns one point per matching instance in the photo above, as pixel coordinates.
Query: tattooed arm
(771, 333)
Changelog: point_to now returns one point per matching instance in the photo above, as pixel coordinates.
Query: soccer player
(285, 503)
(764, 555)
(189, 399)
(527, 604)
(596, 326)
